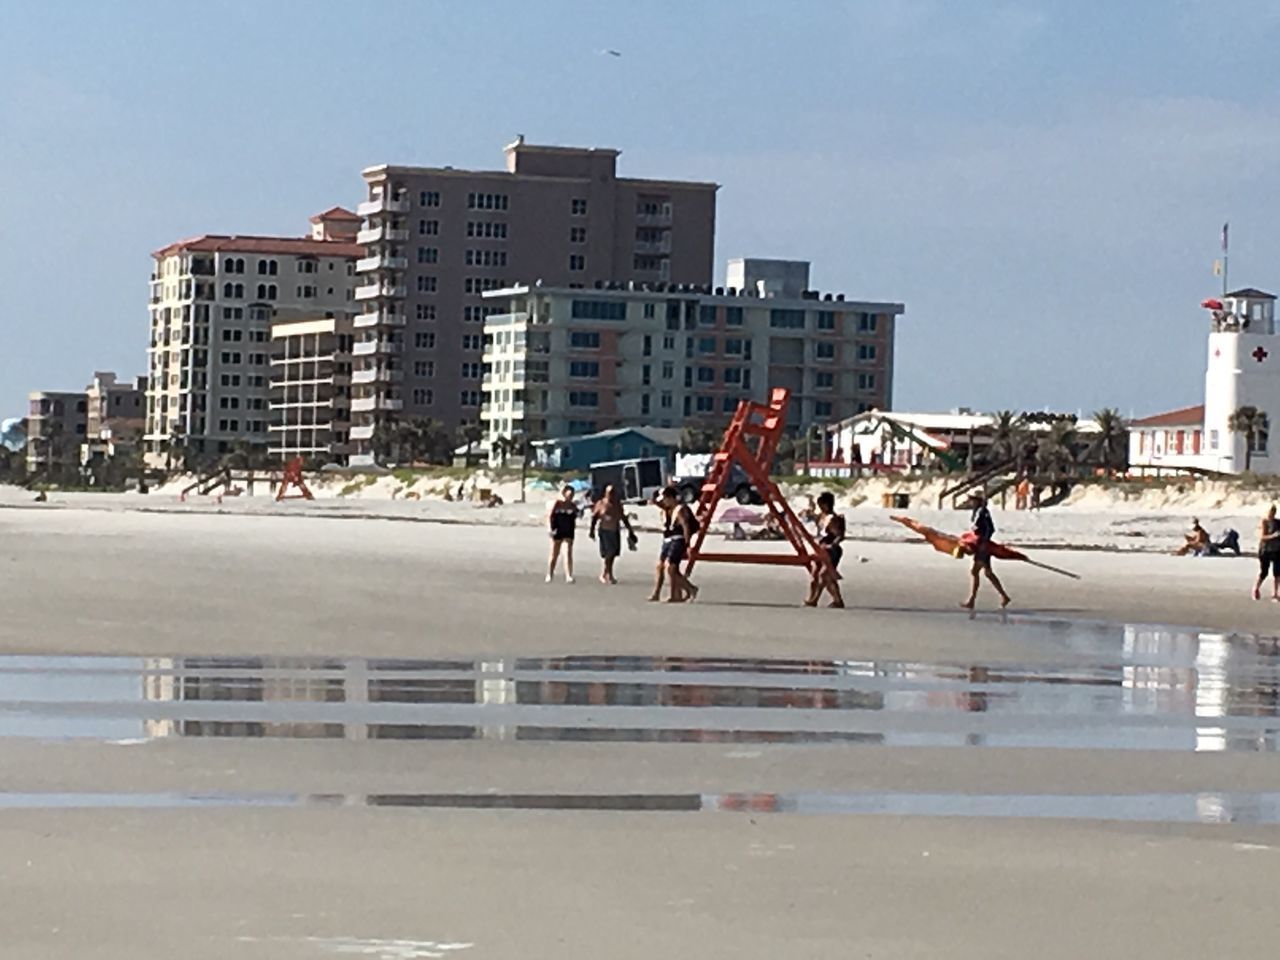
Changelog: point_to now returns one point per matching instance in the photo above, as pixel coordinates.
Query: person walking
(678, 528)
(984, 529)
(1268, 554)
(831, 531)
(607, 518)
(562, 519)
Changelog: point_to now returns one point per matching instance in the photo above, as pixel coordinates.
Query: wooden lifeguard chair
(292, 478)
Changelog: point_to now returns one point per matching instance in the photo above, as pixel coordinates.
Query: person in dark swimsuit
(984, 529)
(831, 530)
(678, 527)
(1268, 555)
(562, 519)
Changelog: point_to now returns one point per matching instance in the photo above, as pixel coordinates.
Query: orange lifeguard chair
(751, 441)
(292, 477)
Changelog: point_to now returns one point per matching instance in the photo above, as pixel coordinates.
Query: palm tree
(469, 434)
(1253, 423)
(1109, 446)
(1007, 436)
(501, 448)
(1055, 451)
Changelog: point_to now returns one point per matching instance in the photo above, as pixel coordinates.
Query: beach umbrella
(959, 546)
(740, 515)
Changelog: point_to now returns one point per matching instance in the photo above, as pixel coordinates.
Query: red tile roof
(337, 213)
(283, 246)
(1186, 417)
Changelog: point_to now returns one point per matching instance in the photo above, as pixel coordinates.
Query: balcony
(367, 348)
(364, 432)
(375, 291)
(370, 404)
(661, 218)
(379, 233)
(381, 261)
(376, 318)
(656, 247)
(381, 205)
(376, 375)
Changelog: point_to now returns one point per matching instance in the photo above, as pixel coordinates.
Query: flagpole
(1225, 256)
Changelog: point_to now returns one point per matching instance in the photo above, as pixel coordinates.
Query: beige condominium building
(437, 239)
(57, 423)
(116, 416)
(563, 361)
(213, 300)
(310, 389)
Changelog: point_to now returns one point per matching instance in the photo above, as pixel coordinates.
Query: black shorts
(673, 550)
(835, 552)
(1269, 563)
(562, 536)
(610, 543)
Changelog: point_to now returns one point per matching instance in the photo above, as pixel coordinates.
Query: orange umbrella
(959, 546)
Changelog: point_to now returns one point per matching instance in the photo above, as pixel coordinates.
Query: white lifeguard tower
(1243, 370)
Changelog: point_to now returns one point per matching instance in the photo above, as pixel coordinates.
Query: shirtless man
(608, 517)
(831, 531)
(678, 527)
(985, 529)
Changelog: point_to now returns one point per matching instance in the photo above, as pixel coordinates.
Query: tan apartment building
(213, 300)
(57, 424)
(437, 239)
(562, 361)
(310, 389)
(116, 416)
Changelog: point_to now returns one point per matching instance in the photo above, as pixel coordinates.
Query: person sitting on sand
(1268, 554)
(1197, 541)
(984, 528)
(831, 529)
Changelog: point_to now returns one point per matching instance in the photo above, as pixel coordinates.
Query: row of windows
(236, 380)
(478, 314)
(230, 335)
(233, 426)
(235, 357)
(428, 228)
(486, 258)
(428, 255)
(425, 397)
(250, 403)
(598, 309)
(485, 201)
(269, 291)
(481, 284)
(486, 229)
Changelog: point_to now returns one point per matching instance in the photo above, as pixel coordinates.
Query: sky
(1042, 183)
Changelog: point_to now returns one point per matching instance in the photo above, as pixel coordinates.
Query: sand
(377, 882)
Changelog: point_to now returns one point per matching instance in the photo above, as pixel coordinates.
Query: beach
(188, 772)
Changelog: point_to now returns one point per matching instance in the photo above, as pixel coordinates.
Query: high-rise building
(57, 423)
(310, 389)
(564, 361)
(437, 239)
(213, 299)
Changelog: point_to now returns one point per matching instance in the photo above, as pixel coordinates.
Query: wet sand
(354, 879)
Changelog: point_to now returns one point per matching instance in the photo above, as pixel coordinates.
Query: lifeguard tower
(1243, 370)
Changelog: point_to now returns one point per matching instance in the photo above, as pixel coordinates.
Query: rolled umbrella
(959, 546)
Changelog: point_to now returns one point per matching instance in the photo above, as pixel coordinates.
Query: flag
(1217, 268)
(1225, 228)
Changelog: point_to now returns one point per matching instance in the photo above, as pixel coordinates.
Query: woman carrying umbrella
(984, 528)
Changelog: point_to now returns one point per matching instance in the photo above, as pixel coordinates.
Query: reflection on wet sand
(1119, 687)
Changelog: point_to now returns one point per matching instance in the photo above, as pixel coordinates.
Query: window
(706, 404)
(647, 349)
(706, 375)
(866, 381)
(424, 341)
(425, 311)
(646, 375)
(1259, 442)
(733, 376)
(232, 335)
(578, 207)
(584, 340)
(728, 404)
(824, 380)
(229, 403)
(706, 315)
(429, 198)
(824, 350)
(733, 316)
(826, 320)
(822, 408)
(668, 342)
(668, 369)
(471, 371)
(787, 319)
(648, 311)
(428, 228)
(577, 234)
(428, 255)
(426, 284)
(733, 347)
(469, 398)
(577, 261)
(478, 314)
(599, 310)
(424, 368)
(644, 405)
(258, 359)
(230, 379)
(584, 398)
(486, 258)
(486, 201)
(473, 341)
(481, 284)
(866, 351)
(706, 345)
(487, 229)
(233, 265)
(1213, 439)
(866, 323)
(308, 266)
(584, 369)
(665, 400)
(423, 397)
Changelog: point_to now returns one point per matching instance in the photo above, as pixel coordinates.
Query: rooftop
(810, 299)
(337, 213)
(1183, 417)
(667, 436)
(1251, 293)
(282, 246)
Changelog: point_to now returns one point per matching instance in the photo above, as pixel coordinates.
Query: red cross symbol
(1259, 354)
(1217, 353)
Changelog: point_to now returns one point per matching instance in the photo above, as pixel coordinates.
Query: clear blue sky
(1043, 183)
